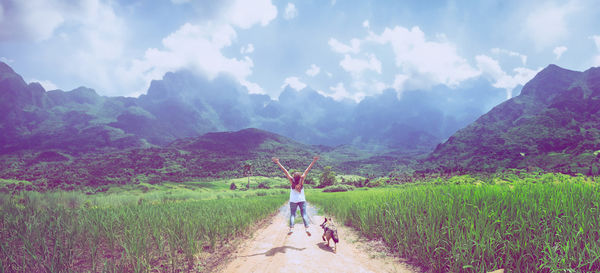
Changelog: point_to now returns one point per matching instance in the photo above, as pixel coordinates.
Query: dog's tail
(335, 236)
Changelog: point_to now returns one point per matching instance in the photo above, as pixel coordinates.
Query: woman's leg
(293, 207)
(303, 213)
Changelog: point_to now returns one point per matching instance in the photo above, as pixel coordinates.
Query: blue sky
(342, 49)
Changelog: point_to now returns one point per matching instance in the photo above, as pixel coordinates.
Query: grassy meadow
(170, 227)
(526, 223)
(519, 222)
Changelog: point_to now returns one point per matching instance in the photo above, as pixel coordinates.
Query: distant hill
(213, 155)
(553, 124)
(183, 105)
(31, 118)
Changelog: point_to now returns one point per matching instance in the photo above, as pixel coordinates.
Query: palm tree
(248, 172)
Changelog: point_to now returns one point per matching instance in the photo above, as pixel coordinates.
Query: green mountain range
(78, 138)
(554, 124)
(183, 104)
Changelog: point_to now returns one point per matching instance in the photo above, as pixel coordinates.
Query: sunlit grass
(123, 232)
(546, 223)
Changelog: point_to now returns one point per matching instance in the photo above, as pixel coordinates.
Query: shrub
(327, 177)
(376, 183)
(263, 185)
(232, 186)
(339, 188)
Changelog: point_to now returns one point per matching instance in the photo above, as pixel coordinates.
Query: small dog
(330, 232)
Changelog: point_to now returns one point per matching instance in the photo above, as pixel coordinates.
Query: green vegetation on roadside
(124, 232)
(522, 223)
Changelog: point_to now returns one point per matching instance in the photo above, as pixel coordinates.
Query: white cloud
(492, 69)
(247, 49)
(596, 39)
(498, 51)
(293, 82)
(290, 11)
(399, 82)
(85, 39)
(380, 86)
(547, 24)
(33, 20)
(198, 47)
(338, 47)
(339, 92)
(357, 66)
(253, 88)
(195, 47)
(365, 24)
(596, 60)
(313, 70)
(6, 60)
(424, 63)
(559, 50)
(48, 85)
(245, 14)
(94, 40)
(92, 49)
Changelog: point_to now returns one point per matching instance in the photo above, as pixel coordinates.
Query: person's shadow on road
(275, 250)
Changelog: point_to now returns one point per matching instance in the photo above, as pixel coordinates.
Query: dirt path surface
(271, 249)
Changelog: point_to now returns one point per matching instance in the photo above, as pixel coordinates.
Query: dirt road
(271, 249)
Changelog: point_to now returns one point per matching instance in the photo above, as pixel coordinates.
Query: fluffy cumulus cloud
(6, 60)
(558, 51)
(339, 92)
(499, 51)
(357, 66)
(245, 14)
(198, 47)
(34, 20)
(247, 49)
(339, 47)
(85, 40)
(88, 40)
(596, 39)
(290, 11)
(547, 24)
(490, 68)
(365, 23)
(195, 47)
(38, 20)
(293, 82)
(423, 63)
(313, 70)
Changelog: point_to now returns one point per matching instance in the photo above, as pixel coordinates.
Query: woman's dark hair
(297, 176)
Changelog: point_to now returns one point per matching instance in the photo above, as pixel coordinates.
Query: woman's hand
(275, 159)
(316, 157)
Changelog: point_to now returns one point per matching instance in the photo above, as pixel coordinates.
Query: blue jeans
(293, 207)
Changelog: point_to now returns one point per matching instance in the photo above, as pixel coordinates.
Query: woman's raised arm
(310, 166)
(287, 174)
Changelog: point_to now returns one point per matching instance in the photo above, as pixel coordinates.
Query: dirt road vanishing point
(271, 249)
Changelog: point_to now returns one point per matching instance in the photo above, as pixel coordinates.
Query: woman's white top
(296, 196)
